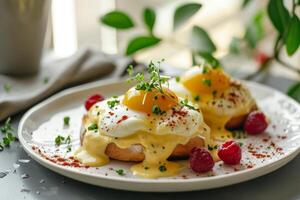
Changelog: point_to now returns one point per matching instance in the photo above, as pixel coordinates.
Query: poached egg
(219, 97)
(156, 120)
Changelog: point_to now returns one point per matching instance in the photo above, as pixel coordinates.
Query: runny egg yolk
(207, 85)
(212, 81)
(144, 101)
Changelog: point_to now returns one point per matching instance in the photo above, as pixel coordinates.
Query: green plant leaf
(292, 40)
(117, 19)
(141, 42)
(149, 18)
(294, 91)
(251, 36)
(245, 3)
(183, 13)
(200, 41)
(255, 29)
(278, 14)
(234, 45)
(209, 58)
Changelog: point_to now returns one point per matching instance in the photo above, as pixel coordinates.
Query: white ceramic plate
(261, 154)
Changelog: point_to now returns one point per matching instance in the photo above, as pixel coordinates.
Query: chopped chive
(210, 148)
(205, 70)
(68, 140)
(120, 172)
(207, 82)
(7, 87)
(67, 121)
(93, 127)
(156, 110)
(59, 140)
(185, 103)
(113, 103)
(69, 149)
(46, 80)
(162, 168)
(197, 98)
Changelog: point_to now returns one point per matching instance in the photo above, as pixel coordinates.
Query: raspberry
(92, 100)
(201, 160)
(255, 123)
(230, 152)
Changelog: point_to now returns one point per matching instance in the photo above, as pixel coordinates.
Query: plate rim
(44, 162)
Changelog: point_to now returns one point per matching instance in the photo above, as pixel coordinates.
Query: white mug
(22, 32)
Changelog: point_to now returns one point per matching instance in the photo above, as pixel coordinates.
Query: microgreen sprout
(155, 81)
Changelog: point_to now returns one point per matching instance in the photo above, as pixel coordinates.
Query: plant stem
(294, 7)
(194, 58)
(277, 48)
(262, 68)
(287, 65)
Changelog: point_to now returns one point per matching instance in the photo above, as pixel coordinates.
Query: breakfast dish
(63, 134)
(147, 124)
(225, 102)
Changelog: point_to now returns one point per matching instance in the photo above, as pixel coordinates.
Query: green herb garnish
(8, 131)
(154, 82)
(59, 140)
(6, 141)
(113, 102)
(67, 121)
(156, 110)
(6, 128)
(69, 149)
(7, 87)
(177, 78)
(120, 172)
(162, 168)
(46, 80)
(93, 127)
(206, 69)
(210, 148)
(197, 98)
(68, 140)
(185, 103)
(207, 82)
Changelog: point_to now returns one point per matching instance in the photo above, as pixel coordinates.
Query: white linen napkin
(19, 93)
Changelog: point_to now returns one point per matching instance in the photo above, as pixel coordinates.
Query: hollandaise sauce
(156, 148)
(219, 100)
(154, 120)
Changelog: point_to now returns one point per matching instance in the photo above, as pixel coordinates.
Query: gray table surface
(45, 184)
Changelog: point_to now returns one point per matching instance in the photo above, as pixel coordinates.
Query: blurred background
(250, 39)
(75, 23)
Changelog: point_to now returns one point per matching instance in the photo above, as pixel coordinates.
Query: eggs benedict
(149, 124)
(224, 102)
